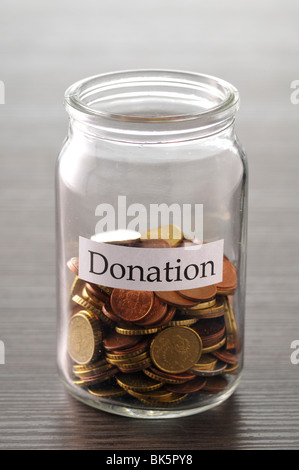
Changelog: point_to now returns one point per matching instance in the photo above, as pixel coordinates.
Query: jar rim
(134, 101)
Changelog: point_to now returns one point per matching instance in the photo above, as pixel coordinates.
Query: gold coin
(134, 366)
(172, 233)
(230, 326)
(84, 337)
(106, 390)
(217, 309)
(203, 305)
(165, 380)
(136, 331)
(160, 395)
(129, 360)
(183, 321)
(137, 382)
(206, 362)
(77, 286)
(92, 299)
(89, 367)
(176, 349)
(92, 372)
(215, 346)
(174, 400)
(91, 308)
(232, 369)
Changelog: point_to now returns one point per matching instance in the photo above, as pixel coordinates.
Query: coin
(206, 362)
(124, 330)
(189, 387)
(105, 390)
(176, 349)
(137, 382)
(157, 375)
(155, 395)
(108, 312)
(215, 311)
(170, 313)
(141, 347)
(200, 294)
(157, 312)
(173, 400)
(226, 356)
(175, 299)
(214, 347)
(183, 321)
(229, 280)
(128, 360)
(220, 368)
(73, 265)
(172, 233)
(182, 377)
(136, 367)
(232, 369)
(98, 303)
(116, 341)
(96, 371)
(131, 305)
(94, 291)
(84, 337)
(211, 330)
(231, 326)
(215, 385)
(203, 305)
(91, 308)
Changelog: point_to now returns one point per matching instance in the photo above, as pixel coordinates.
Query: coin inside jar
(131, 305)
(176, 349)
(84, 337)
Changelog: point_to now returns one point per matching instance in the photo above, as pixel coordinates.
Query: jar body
(114, 187)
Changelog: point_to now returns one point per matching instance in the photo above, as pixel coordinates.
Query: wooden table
(45, 46)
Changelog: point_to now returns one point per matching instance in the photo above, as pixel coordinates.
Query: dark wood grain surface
(46, 46)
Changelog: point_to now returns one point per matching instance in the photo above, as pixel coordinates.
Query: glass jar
(151, 243)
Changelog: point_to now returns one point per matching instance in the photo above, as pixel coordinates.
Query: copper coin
(155, 243)
(73, 265)
(170, 313)
(131, 305)
(157, 312)
(138, 348)
(175, 299)
(215, 385)
(210, 329)
(94, 290)
(229, 280)
(116, 341)
(226, 356)
(183, 376)
(188, 387)
(107, 310)
(200, 294)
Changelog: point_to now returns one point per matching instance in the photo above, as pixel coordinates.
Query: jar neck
(151, 107)
(83, 131)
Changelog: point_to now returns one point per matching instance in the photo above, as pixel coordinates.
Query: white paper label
(150, 269)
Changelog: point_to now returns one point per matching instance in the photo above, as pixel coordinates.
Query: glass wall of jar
(151, 243)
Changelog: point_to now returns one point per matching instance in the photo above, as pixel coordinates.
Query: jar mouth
(152, 101)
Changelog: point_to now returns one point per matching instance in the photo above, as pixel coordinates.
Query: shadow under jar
(151, 243)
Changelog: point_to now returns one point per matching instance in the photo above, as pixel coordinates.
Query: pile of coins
(156, 347)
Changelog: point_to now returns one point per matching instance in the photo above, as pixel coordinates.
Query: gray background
(47, 45)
